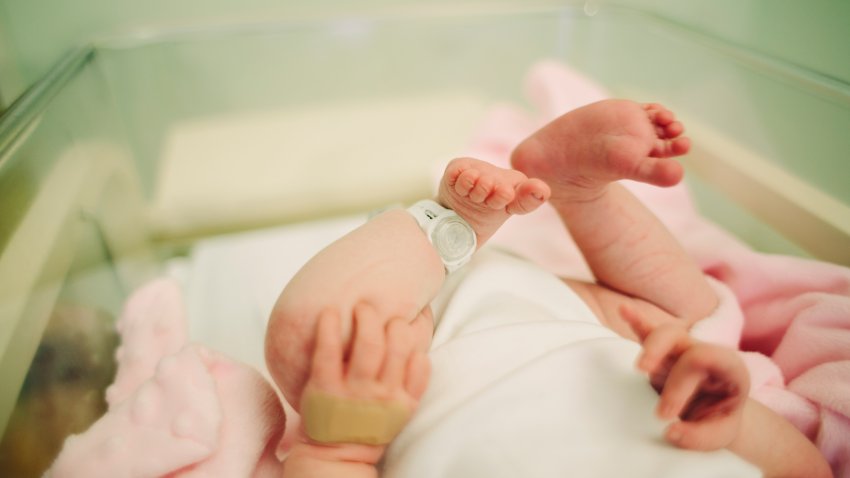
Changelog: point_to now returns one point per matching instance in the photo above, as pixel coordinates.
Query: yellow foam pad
(332, 419)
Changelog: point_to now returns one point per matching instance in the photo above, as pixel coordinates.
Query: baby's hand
(705, 386)
(383, 365)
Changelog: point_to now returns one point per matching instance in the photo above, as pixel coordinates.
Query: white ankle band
(452, 237)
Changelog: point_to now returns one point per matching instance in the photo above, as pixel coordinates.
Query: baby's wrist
(337, 452)
(306, 460)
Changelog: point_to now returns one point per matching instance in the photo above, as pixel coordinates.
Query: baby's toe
(482, 189)
(669, 148)
(661, 171)
(530, 194)
(664, 117)
(680, 146)
(500, 197)
(466, 182)
(672, 130)
(659, 115)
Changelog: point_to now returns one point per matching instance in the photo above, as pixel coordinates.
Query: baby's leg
(580, 155)
(389, 264)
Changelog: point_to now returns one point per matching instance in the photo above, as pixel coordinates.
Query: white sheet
(231, 282)
(525, 381)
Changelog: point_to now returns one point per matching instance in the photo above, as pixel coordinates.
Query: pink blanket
(176, 409)
(793, 327)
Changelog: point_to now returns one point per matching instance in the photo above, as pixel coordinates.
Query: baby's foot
(579, 153)
(486, 195)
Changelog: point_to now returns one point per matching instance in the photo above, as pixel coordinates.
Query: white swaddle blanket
(526, 382)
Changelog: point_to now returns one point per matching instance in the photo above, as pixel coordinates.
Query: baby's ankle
(471, 217)
(578, 194)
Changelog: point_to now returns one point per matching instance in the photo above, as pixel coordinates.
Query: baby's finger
(326, 370)
(726, 384)
(399, 347)
(423, 329)
(643, 318)
(705, 435)
(682, 384)
(668, 340)
(418, 373)
(638, 322)
(367, 351)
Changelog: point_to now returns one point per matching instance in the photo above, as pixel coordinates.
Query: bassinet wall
(131, 149)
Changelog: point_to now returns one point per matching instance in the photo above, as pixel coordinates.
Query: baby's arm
(704, 389)
(383, 368)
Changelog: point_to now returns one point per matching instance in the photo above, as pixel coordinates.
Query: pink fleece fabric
(790, 317)
(175, 409)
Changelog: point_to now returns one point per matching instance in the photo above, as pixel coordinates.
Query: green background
(34, 33)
